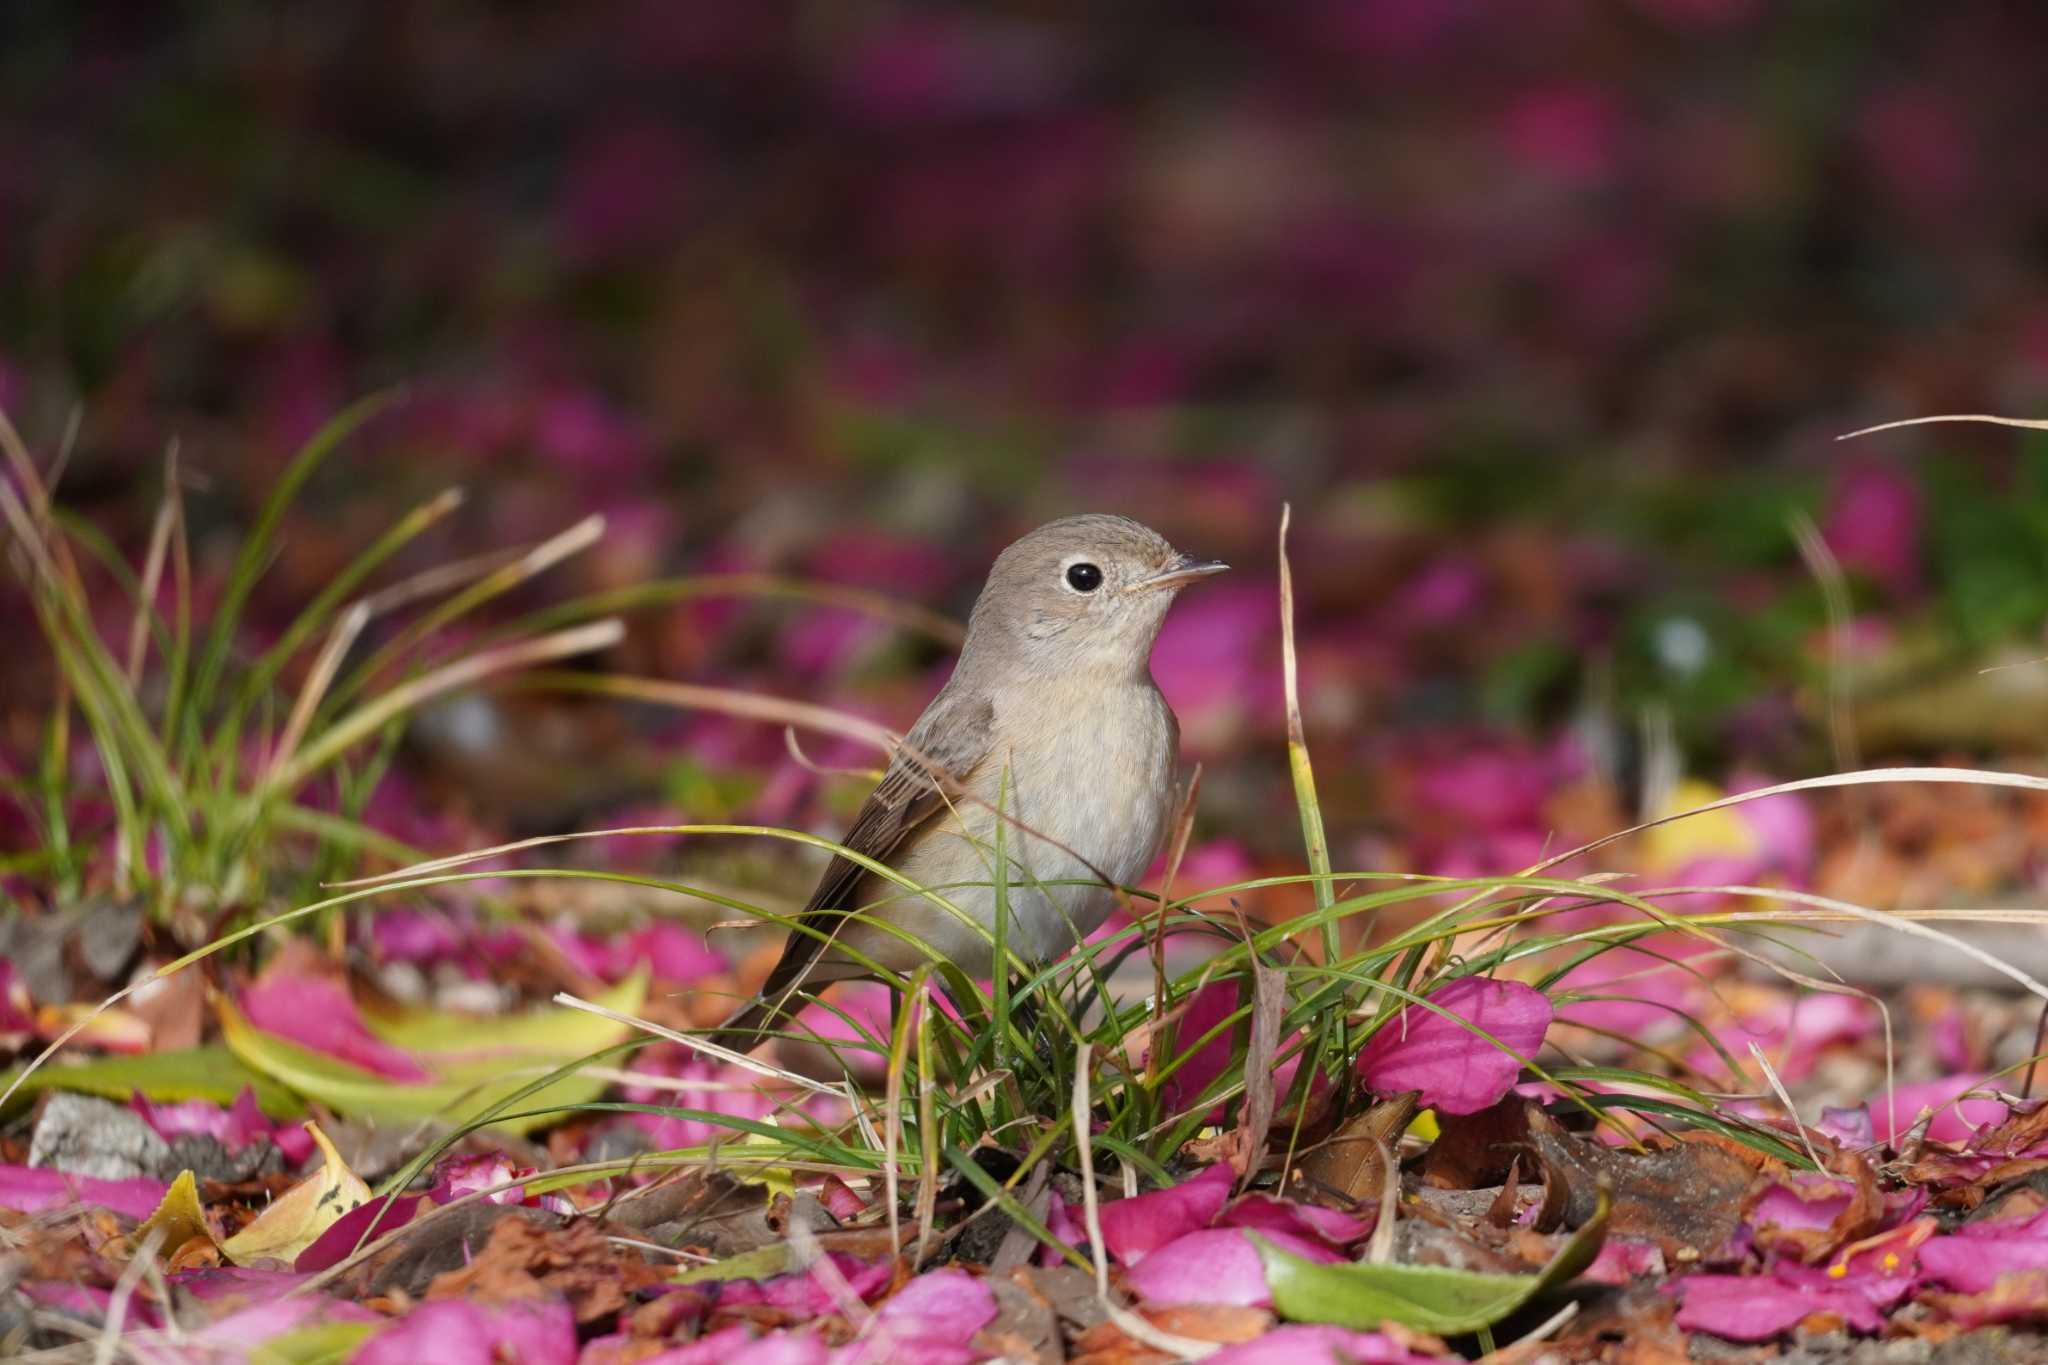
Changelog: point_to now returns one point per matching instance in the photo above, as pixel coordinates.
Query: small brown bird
(1051, 716)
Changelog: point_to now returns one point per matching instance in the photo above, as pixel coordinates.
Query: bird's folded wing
(953, 736)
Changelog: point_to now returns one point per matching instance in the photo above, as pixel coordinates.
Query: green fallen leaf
(1431, 1298)
(477, 1060)
(324, 1343)
(198, 1073)
(758, 1264)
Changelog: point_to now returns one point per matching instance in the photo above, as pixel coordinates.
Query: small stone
(81, 1135)
(108, 935)
(208, 1158)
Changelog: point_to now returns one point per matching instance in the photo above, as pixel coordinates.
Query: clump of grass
(228, 791)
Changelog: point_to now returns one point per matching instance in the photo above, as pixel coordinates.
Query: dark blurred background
(1544, 315)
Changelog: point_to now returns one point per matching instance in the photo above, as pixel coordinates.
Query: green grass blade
(254, 557)
(263, 675)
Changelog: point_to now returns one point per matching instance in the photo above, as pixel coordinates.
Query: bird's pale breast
(1090, 769)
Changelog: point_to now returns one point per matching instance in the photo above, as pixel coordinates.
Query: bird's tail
(752, 1024)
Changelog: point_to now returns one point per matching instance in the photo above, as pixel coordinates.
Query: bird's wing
(953, 735)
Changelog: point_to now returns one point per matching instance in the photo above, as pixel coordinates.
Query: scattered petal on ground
(458, 1332)
(1216, 1265)
(1456, 1070)
(37, 1190)
(1135, 1226)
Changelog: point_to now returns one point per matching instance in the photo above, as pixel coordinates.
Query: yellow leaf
(296, 1218)
(1717, 834)
(109, 1030)
(176, 1221)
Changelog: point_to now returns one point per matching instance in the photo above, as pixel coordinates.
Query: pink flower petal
(1952, 1122)
(675, 952)
(465, 1332)
(944, 1306)
(717, 1089)
(361, 1225)
(1783, 825)
(318, 1013)
(1640, 993)
(1759, 1307)
(807, 1293)
(1202, 1062)
(1217, 1265)
(1457, 1071)
(1132, 1227)
(1061, 1223)
(1802, 1201)
(26, 1189)
(1974, 1264)
(423, 937)
(784, 1348)
(1872, 523)
(1878, 1274)
(1795, 1031)
(914, 1351)
(1270, 1214)
(234, 1128)
(1849, 1127)
(862, 1003)
(1622, 1259)
(719, 1348)
(839, 1199)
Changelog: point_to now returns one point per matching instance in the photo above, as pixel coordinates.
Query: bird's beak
(1184, 570)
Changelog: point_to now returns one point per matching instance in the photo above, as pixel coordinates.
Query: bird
(1050, 723)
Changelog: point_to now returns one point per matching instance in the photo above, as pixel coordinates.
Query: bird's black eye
(1083, 577)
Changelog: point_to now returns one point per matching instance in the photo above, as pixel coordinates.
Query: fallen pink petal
(1760, 1307)
(942, 1307)
(1216, 1265)
(459, 1332)
(820, 1289)
(1955, 1118)
(1457, 1070)
(357, 1228)
(317, 1012)
(37, 1190)
(1269, 1214)
(1624, 1259)
(1133, 1227)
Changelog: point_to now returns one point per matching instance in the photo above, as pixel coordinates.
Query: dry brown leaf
(1348, 1163)
(525, 1260)
(1225, 1324)
(1686, 1198)
(1269, 1001)
(1862, 1216)
(1507, 1204)
(1473, 1151)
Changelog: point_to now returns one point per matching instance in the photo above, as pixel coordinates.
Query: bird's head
(1085, 592)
